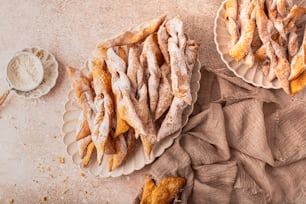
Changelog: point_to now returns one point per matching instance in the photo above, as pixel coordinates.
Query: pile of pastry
(137, 87)
(266, 33)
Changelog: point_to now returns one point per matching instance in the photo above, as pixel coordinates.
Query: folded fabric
(242, 144)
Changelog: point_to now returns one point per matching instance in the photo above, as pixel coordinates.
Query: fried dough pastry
(125, 109)
(135, 34)
(165, 93)
(125, 146)
(294, 15)
(167, 189)
(293, 44)
(173, 120)
(243, 46)
(83, 144)
(104, 106)
(298, 63)
(179, 70)
(231, 15)
(282, 70)
(82, 129)
(151, 58)
(162, 39)
(89, 152)
(83, 93)
(148, 189)
(296, 85)
(139, 94)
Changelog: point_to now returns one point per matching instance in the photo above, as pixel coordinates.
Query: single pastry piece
(125, 146)
(282, 70)
(82, 129)
(167, 189)
(89, 152)
(135, 34)
(242, 47)
(84, 95)
(165, 94)
(152, 59)
(139, 94)
(298, 63)
(296, 85)
(294, 15)
(83, 144)
(282, 7)
(164, 192)
(173, 119)
(265, 28)
(148, 189)
(162, 38)
(231, 17)
(179, 70)
(104, 106)
(293, 44)
(125, 109)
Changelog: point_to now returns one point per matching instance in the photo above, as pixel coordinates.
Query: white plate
(50, 66)
(138, 159)
(251, 75)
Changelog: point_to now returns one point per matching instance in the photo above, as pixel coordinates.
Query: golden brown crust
(88, 154)
(148, 189)
(296, 85)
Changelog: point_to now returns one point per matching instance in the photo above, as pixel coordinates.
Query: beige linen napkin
(242, 145)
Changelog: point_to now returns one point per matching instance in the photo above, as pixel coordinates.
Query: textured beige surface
(30, 130)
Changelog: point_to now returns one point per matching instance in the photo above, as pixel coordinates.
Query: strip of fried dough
(231, 15)
(84, 94)
(173, 120)
(89, 152)
(148, 189)
(125, 146)
(179, 70)
(125, 109)
(293, 44)
(165, 93)
(298, 63)
(165, 192)
(135, 34)
(83, 144)
(297, 85)
(139, 94)
(82, 129)
(162, 38)
(282, 70)
(260, 54)
(282, 7)
(265, 28)
(243, 47)
(153, 59)
(104, 106)
(294, 15)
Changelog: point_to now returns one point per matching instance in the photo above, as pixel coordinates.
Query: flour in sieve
(24, 73)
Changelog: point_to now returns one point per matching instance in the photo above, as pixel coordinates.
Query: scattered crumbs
(61, 160)
(44, 198)
(24, 144)
(82, 174)
(49, 168)
(40, 54)
(35, 181)
(10, 200)
(86, 192)
(65, 179)
(51, 175)
(65, 191)
(54, 136)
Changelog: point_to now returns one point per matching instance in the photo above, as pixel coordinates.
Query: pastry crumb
(82, 174)
(44, 198)
(61, 160)
(10, 200)
(49, 168)
(65, 191)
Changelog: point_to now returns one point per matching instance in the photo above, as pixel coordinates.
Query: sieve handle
(3, 96)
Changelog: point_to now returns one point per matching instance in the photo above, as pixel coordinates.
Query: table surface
(30, 130)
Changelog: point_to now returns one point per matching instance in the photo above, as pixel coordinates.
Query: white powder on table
(24, 72)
